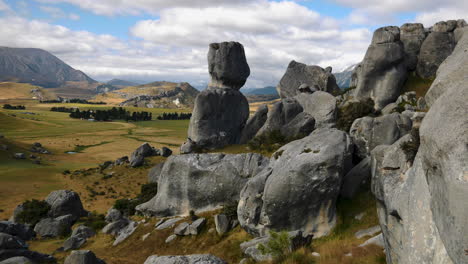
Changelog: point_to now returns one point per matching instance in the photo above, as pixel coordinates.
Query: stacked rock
(221, 110)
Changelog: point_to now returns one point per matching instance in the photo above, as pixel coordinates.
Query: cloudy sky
(153, 40)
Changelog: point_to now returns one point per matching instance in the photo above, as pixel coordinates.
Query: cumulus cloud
(57, 13)
(4, 6)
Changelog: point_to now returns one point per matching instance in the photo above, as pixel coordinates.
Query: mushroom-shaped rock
(227, 65)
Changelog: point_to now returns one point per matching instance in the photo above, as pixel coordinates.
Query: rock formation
(383, 72)
(299, 188)
(321, 106)
(201, 182)
(412, 36)
(188, 259)
(220, 111)
(299, 76)
(253, 125)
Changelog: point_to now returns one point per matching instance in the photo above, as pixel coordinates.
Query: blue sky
(168, 39)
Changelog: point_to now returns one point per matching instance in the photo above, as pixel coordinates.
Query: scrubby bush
(192, 215)
(127, 206)
(33, 211)
(278, 245)
(270, 142)
(230, 210)
(353, 110)
(95, 221)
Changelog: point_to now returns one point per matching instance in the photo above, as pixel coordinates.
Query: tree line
(62, 109)
(14, 107)
(175, 116)
(111, 114)
(72, 101)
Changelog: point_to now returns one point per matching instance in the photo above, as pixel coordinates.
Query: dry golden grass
(22, 91)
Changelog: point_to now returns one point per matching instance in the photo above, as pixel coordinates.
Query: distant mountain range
(38, 67)
(122, 83)
(269, 90)
(343, 79)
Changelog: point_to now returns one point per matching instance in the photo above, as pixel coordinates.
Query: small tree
(33, 211)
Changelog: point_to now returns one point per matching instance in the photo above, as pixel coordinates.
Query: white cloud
(4, 6)
(133, 7)
(57, 13)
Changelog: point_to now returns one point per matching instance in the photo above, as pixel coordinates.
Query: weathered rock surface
(78, 238)
(218, 118)
(17, 260)
(368, 232)
(299, 76)
(83, 257)
(412, 36)
(321, 106)
(138, 156)
(155, 173)
(197, 226)
(168, 223)
(65, 202)
(11, 242)
(451, 73)
(188, 259)
(383, 71)
(35, 257)
(369, 132)
(201, 182)
(25, 232)
(355, 178)
(299, 188)
(222, 224)
(125, 232)
(377, 240)
(254, 123)
(227, 65)
(54, 227)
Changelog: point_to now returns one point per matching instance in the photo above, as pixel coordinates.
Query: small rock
(121, 161)
(168, 223)
(145, 236)
(367, 232)
(166, 152)
(315, 254)
(221, 223)
(19, 156)
(170, 238)
(125, 233)
(377, 240)
(349, 254)
(197, 226)
(359, 216)
(182, 229)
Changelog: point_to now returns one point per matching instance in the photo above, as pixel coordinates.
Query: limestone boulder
(155, 173)
(188, 259)
(254, 123)
(299, 188)
(201, 182)
(227, 65)
(65, 202)
(24, 232)
(412, 36)
(54, 227)
(299, 76)
(83, 257)
(321, 106)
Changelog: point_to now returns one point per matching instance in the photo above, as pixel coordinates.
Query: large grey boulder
(138, 156)
(434, 50)
(369, 132)
(188, 259)
(25, 232)
(65, 202)
(254, 123)
(383, 71)
(321, 106)
(54, 227)
(78, 238)
(201, 182)
(443, 154)
(412, 36)
(227, 65)
(299, 75)
(20, 254)
(299, 188)
(83, 257)
(155, 173)
(218, 118)
(222, 223)
(451, 73)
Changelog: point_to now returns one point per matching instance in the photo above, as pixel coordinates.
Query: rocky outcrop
(288, 117)
(369, 132)
(383, 71)
(14, 248)
(65, 202)
(138, 156)
(299, 76)
(355, 178)
(254, 123)
(438, 45)
(78, 238)
(420, 203)
(54, 227)
(188, 259)
(201, 182)
(321, 106)
(227, 65)
(452, 72)
(118, 226)
(25, 232)
(17, 260)
(412, 36)
(83, 257)
(299, 188)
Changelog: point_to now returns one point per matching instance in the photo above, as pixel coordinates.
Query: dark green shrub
(193, 216)
(127, 206)
(230, 210)
(270, 142)
(148, 191)
(352, 111)
(33, 211)
(95, 221)
(278, 246)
